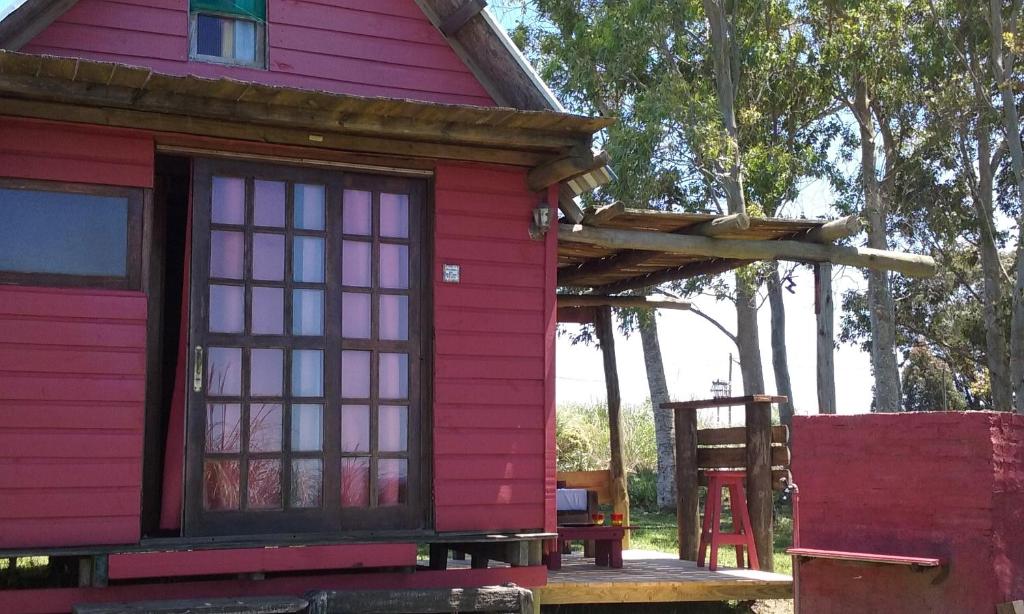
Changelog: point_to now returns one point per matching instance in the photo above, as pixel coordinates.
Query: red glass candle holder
(617, 520)
(597, 518)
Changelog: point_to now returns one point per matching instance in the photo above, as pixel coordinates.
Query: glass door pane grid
(247, 341)
(375, 346)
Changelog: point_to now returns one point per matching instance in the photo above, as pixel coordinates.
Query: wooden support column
(620, 494)
(687, 493)
(759, 479)
(824, 310)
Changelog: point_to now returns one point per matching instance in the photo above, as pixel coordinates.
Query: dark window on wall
(70, 235)
(229, 31)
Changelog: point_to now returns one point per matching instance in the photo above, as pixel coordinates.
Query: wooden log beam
(576, 315)
(620, 495)
(567, 205)
(913, 265)
(560, 169)
(601, 215)
(454, 22)
(704, 267)
(633, 258)
(718, 226)
(835, 230)
(596, 300)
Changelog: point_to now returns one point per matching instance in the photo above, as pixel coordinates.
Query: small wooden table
(607, 541)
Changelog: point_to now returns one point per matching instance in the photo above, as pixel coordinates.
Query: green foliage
(941, 313)
(643, 490)
(581, 437)
(928, 384)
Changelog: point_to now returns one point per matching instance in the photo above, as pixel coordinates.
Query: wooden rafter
(913, 265)
(695, 269)
(564, 168)
(599, 300)
(628, 259)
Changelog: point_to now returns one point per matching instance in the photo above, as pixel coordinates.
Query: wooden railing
(758, 448)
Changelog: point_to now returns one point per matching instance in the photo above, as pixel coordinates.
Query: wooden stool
(711, 534)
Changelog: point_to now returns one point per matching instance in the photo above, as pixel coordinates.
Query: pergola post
(759, 479)
(687, 487)
(620, 494)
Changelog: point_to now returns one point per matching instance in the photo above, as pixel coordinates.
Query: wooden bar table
(759, 470)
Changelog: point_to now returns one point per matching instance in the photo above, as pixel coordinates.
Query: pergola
(614, 250)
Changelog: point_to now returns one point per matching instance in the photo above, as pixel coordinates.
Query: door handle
(197, 370)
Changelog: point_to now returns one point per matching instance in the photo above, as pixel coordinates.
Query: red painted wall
(77, 153)
(364, 47)
(72, 365)
(72, 390)
(493, 353)
(942, 485)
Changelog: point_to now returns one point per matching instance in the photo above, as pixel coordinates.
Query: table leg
(588, 548)
(555, 557)
(616, 553)
(603, 558)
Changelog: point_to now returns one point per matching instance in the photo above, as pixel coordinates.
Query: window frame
(132, 280)
(259, 55)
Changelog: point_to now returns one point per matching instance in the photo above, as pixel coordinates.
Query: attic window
(229, 31)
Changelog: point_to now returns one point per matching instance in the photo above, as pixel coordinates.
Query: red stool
(711, 533)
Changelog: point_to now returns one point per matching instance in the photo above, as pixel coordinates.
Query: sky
(695, 353)
(7, 5)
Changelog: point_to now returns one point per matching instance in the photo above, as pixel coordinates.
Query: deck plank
(650, 577)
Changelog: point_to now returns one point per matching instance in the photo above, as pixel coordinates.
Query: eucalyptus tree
(962, 114)
(1004, 46)
(866, 52)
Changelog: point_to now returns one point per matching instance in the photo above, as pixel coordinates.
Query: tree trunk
(725, 55)
(1002, 67)
(824, 308)
(620, 491)
(780, 360)
(880, 304)
(995, 341)
(663, 419)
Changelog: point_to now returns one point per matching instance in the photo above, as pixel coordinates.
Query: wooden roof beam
(598, 300)
(634, 258)
(601, 215)
(835, 230)
(656, 278)
(454, 22)
(913, 265)
(560, 169)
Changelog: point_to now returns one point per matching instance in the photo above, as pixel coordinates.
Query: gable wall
(363, 47)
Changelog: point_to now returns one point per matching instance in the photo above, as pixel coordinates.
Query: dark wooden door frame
(416, 514)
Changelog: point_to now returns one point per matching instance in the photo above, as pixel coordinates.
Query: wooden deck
(656, 577)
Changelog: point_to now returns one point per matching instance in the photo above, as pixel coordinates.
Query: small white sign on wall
(452, 273)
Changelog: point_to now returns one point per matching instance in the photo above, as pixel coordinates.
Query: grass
(659, 533)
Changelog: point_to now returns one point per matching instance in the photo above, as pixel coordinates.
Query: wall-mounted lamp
(541, 222)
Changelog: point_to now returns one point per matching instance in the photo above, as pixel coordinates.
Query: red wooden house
(275, 296)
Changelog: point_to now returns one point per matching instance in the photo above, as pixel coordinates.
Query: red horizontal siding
(138, 565)
(491, 351)
(361, 47)
(75, 153)
(72, 391)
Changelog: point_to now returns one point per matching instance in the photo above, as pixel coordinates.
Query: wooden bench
(598, 485)
(866, 557)
(608, 540)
